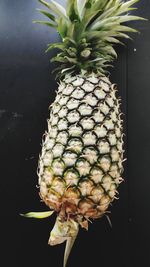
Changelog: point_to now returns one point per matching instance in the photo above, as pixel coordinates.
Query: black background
(27, 87)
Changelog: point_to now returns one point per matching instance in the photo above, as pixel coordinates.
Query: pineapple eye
(69, 158)
(104, 147)
(53, 132)
(83, 167)
(90, 154)
(47, 159)
(88, 87)
(68, 90)
(93, 79)
(63, 100)
(87, 123)
(56, 108)
(114, 171)
(112, 139)
(63, 112)
(85, 110)
(105, 163)
(104, 86)
(58, 167)
(89, 138)
(98, 116)
(75, 130)
(99, 93)
(71, 177)
(107, 182)
(91, 100)
(62, 124)
(49, 143)
(75, 145)
(114, 154)
(73, 194)
(78, 93)
(104, 108)
(58, 150)
(58, 185)
(96, 174)
(97, 194)
(62, 138)
(73, 116)
(104, 203)
(47, 176)
(100, 131)
(72, 103)
(109, 124)
(54, 120)
(78, 82)
(85, 187)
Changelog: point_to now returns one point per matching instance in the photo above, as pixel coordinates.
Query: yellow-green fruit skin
(81, 162)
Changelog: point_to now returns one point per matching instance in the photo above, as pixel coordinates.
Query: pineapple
(81, 163)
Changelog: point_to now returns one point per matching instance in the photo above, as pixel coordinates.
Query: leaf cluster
(89, 29)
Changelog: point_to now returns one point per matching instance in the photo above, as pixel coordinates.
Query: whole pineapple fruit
(81, 163)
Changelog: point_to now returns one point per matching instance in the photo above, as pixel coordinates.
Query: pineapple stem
(64, 231)
(69, 245)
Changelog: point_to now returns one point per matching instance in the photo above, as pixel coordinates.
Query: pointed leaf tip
(58, 9)
(44, 3)
(47, 14)
(38, 215)
(45, 23)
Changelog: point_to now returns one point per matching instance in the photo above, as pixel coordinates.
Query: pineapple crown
(89, 29)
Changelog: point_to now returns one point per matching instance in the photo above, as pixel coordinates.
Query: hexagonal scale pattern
(80, 165)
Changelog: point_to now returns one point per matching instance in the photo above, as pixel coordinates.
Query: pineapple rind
(80, 165)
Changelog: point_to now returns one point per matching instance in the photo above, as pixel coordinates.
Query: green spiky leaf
(44, 3)
(128, 4)
(90, 30)
(55, 46)
(62, 28)
(58, 9)
(47, 14)
(45, 23)
(71, 12)
(129, 18)
(80, 7)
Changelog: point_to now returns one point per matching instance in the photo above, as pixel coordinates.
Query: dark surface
(27, 87)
